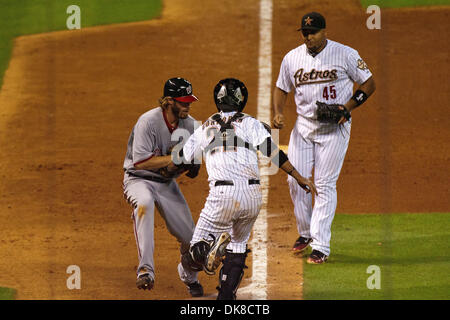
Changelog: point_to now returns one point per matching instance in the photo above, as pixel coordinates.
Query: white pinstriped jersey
(235, 164)
(326, 77)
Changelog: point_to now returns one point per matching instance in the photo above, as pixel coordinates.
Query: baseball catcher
(230, 140)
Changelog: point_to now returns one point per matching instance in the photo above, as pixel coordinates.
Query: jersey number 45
(329, 92)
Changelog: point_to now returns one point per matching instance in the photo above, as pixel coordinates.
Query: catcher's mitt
(194, 258)
(331, 113)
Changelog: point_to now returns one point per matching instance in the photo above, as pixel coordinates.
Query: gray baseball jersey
(154, 136)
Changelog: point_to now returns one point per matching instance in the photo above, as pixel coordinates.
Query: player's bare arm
(270, 149)
(279, 101)
(368, 88)
(155, 163)
(303, 182)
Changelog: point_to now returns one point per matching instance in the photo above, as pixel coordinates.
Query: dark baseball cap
(312, 21)
(179, 89)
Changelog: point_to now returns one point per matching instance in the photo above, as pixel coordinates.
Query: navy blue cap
(180, 89)
(312, 21)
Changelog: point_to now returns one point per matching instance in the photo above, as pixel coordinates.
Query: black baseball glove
(193, 170)
(174, 171)
(194, 258)
(331, 113)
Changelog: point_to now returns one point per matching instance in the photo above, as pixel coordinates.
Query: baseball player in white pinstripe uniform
(320, 70)
(229, 141)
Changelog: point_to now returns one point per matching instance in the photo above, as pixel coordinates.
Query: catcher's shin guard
(230, 275)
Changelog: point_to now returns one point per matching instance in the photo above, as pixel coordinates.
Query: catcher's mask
(230, 95)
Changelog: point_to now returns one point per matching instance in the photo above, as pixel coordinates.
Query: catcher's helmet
(230, 95)
(180, 89)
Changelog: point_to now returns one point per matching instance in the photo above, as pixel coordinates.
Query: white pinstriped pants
(231, 209)
(325, 153)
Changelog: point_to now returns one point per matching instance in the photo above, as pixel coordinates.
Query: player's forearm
(279, 158)
(154, 163)
(367, 87)
(279, 100)
(289, 169)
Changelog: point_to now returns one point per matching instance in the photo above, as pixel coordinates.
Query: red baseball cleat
(301, 244)
(317, 257)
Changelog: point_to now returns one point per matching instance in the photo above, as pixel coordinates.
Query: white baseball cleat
(216, 252)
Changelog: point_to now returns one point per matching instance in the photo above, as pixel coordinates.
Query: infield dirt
(71, 98)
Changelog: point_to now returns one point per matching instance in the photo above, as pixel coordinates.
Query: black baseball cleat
(144, 281)
(317, 257)
(301, 244)
(195, 289)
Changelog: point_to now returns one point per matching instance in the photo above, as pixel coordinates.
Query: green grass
(7, 293)
(412, 251)
(22, 17)
(403, 3)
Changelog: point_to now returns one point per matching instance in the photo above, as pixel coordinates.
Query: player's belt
(230, 183)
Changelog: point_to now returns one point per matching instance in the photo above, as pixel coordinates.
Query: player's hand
(278, 121)
(307, 185)
(171, 168)
(343, 119)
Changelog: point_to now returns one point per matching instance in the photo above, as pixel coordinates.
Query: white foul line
(258, 287)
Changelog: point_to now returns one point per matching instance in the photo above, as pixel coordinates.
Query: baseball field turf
(410, 250)
(7, 294)
(37, 16)
(403, 3)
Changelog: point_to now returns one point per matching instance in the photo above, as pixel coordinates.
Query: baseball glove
(193, 170)
(171, 172)
(175, 170)
(194, 258)
(331, 113)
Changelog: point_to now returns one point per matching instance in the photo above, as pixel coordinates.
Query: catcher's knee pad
(230, 275)
(195, 257)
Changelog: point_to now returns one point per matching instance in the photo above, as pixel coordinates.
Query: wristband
(282, 158)
(359, 97)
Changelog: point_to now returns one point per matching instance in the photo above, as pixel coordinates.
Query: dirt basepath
(70, 99)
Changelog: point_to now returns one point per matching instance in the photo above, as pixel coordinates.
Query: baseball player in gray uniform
(322, 74)
(229, 141)
(145, 183)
